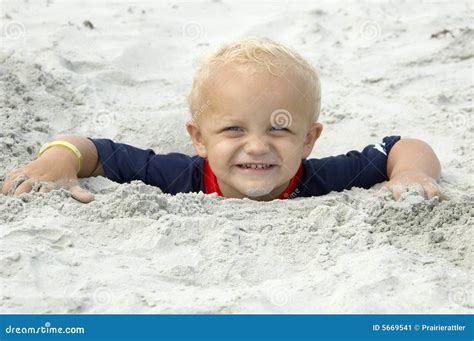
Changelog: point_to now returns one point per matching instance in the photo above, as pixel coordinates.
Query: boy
(255, 107)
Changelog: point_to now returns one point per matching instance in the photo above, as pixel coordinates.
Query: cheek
(291, 149)
(222, 150)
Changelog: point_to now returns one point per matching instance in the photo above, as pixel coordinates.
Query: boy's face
(254, 120)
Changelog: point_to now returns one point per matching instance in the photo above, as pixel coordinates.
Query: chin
(256, 191)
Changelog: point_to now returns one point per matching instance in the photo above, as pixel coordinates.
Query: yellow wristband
(66, 145)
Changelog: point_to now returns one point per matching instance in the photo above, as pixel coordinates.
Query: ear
(313, 134)
(196, 135)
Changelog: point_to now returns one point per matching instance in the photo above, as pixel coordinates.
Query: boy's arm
(91, 163)
(413, 164)
(57, 167)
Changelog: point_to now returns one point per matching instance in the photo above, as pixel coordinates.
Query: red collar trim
(211, 185)
(210, 180)
(292, 185)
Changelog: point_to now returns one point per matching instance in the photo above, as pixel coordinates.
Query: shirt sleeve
(172, 173)
(354, 169)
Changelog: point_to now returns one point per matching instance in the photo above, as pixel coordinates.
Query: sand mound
(345, 252)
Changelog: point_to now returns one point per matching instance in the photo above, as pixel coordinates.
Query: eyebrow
(230, 120)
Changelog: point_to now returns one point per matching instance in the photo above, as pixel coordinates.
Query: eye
(279, 129)
(233, 129)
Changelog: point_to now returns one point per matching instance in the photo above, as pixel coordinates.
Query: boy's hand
(417, 180)
(412, 164)
(55, 169)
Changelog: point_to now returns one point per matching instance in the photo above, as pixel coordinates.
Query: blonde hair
(256, 53)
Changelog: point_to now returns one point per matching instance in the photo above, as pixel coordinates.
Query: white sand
(137, 250)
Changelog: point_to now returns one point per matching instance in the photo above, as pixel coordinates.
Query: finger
(44, 186)
(8, 182)
(25, 186)
(36, 186)
(44, 189)
(17, 181)
(431, 190)
(81, 194)
(397, 191)
(382, 191)
(443, 196)
(418, 188)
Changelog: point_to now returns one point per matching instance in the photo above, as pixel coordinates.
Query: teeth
(253, 166)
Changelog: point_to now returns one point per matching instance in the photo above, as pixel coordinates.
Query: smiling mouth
(255, 166)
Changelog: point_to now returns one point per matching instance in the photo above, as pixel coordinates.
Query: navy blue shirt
(179, 173)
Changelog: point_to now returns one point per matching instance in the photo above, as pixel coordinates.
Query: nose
(257, 145)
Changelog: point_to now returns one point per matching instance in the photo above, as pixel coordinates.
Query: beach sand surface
(386, 69)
